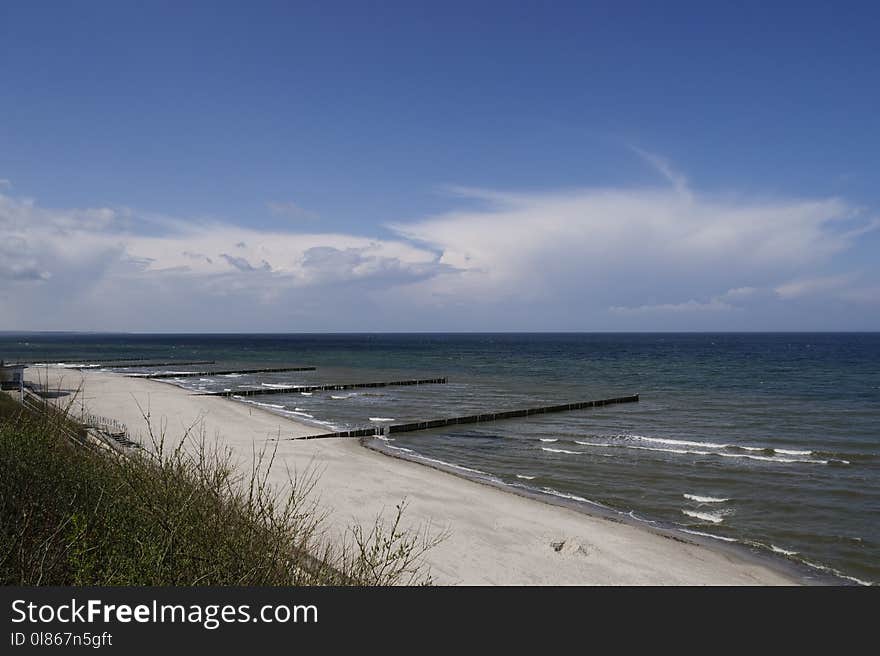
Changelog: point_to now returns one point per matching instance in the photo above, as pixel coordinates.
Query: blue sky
(415, 166)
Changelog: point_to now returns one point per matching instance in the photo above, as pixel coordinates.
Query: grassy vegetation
(178, 515)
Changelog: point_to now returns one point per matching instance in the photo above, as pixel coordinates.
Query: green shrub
(71, 515)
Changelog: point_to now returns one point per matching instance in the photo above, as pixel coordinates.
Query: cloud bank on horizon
(637, 258)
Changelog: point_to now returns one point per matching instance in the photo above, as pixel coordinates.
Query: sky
(475, 166)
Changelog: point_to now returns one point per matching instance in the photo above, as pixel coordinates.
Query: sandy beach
(494, 536)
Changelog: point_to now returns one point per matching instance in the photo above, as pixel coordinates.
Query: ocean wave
(419, 456)
(663, 440)
(708, 535)
(306, 393)
(573, 497)
(699, 499)
(549, 439)
(705, 517)
(525, 478)
(277, 385)
(564, 495)
(232, 375)
(716, 450)
(784, 552)
(381, 418)
(835, 572)
(266, 405)
(811, 461)
(339, 398)
(448, 464)
(547, 448)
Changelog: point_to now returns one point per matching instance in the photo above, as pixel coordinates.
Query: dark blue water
(772, 440)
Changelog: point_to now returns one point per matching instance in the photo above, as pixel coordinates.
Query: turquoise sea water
(771, 440)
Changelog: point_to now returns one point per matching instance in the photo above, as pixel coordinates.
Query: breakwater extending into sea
(769, 440)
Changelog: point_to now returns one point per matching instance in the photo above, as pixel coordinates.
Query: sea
(766, 440)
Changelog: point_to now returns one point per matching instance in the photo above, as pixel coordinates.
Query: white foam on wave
(525, 478)
(419, 456)
(705, 517)
(707, 535)
(549, 439)
(836, 572)
(678, 451)
(547, 448)
(267, 405)
(306, 393)
(573, 497)
(663, 440)
(780, 550)
(381, 418)
(700, 499)
(448, 464)
(277, 385)
(793, 452)
(339, 398)
(564, 495)
(810, 461)
(232, 375)
(632, 513)
(698, 452)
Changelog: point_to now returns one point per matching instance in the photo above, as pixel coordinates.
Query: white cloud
(740, 293)
(721, 303)
(665, 168)
(810, 286)
(577, 259)
(625, 242)
(714, 305)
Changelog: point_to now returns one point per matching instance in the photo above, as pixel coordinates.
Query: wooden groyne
(359, 432)
(229, 371)
(472, 419)
(326, 388)
(509, 414)
(160, 364)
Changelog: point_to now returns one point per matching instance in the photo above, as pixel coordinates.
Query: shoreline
(805, 574)
(498, 534)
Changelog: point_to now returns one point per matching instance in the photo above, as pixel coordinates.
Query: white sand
(496, 537)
